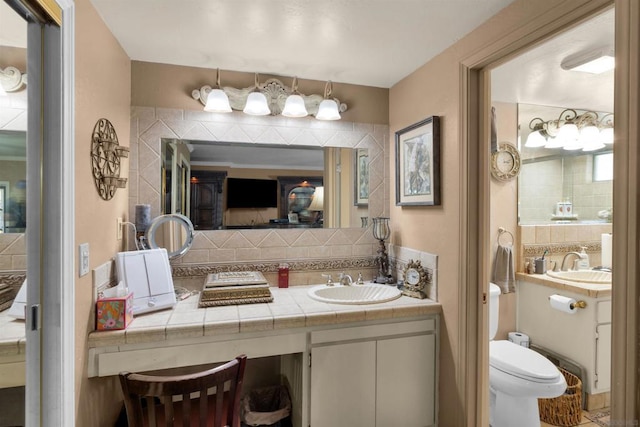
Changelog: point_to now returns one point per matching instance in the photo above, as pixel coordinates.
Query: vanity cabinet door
(406, 381)
(603, 357)
(343, 385)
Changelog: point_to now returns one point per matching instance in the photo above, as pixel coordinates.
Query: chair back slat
(186, 409)
(167, 402)
(204, 401)
(224, 412)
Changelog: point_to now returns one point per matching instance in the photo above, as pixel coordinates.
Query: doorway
(476, 235)
(557, 204)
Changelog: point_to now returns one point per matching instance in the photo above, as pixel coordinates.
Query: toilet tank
(494, 309)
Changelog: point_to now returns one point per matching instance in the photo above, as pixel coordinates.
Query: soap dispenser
(583, 262)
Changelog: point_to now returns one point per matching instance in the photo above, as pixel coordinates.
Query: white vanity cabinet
(382, 375)
(583, 337)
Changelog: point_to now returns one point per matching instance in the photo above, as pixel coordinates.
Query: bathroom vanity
(583, 337)
(356, 365)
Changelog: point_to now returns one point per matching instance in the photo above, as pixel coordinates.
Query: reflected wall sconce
(587, 131)
(105, 159)
(381, 232)
(11, 80)
(275, 95)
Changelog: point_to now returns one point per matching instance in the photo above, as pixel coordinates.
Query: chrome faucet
(563, 268)
(345, 279)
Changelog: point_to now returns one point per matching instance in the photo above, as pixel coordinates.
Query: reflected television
(252, 193)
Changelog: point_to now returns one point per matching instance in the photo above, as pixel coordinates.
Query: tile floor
(597, 419)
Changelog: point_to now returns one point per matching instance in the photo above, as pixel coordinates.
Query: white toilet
(518, 376)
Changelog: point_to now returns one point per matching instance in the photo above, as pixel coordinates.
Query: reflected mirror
(13, 183)
(565, 179)
(243, 186)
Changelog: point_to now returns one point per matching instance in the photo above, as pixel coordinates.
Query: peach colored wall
(13, 56)
(435, 89)
(366, 104)
(504, 211)
(102, 90)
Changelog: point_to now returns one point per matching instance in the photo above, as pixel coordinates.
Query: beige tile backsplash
(560, 239)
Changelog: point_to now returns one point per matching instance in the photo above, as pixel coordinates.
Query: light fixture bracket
(275, 91)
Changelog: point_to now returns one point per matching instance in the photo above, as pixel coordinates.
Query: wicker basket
(564, 410)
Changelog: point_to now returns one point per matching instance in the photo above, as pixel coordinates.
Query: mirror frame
(181, 221)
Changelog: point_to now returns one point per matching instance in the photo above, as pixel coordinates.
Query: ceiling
(366, 42)
(535, 77)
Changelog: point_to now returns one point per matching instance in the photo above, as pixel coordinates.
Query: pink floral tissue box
(114, 313)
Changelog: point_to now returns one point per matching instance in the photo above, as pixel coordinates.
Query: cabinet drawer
(373, 331)
(603, 311)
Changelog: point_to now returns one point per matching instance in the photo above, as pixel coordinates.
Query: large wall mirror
(561, 181)
(221, 185)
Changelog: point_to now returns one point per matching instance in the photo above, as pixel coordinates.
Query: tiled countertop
(291, 308)
(593, 290)
(12, 336)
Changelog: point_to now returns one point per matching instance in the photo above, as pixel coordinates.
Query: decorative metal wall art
(105, 159)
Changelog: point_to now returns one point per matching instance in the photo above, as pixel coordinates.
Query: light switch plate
(119, 225)
(83, 259)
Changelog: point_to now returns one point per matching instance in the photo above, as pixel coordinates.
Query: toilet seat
(522, 362)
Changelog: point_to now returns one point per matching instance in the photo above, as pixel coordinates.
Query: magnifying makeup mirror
(174, 232)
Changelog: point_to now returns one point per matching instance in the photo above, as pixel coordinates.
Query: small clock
(505, 163)
(415, 280)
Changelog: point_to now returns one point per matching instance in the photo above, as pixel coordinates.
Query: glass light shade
(317, 203)
(589, 135)
(535, 139)
(381, 229)
(217, 102)
(606, 136)
(568, 133)
(328, 110)
(573, 145)
(593, 146)
(294, 107)
(554, 143)
(257, 104)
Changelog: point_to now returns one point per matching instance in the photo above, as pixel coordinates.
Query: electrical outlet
(83, 259)
(119, 225)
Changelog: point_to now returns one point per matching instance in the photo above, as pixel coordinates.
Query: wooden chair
(222, 408)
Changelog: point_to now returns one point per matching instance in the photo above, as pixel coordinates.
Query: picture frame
(418, 164)
(361, 181)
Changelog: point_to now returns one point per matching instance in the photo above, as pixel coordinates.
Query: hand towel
(504, 274)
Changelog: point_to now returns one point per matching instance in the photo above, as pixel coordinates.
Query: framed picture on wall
(361, 181)
(418, 164)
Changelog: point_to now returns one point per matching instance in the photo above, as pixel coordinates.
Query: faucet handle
(329, 280)
(360, 281)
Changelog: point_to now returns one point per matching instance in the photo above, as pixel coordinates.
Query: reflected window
(603, 167)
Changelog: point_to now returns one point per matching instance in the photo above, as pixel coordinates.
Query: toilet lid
(521, 362)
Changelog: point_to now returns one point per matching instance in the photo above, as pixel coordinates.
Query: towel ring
(501, 232)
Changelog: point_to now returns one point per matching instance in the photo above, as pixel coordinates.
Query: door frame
(475, 109)
(50, 318)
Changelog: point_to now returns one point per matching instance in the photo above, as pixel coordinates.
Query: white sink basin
(370, 293)
(585, 276)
